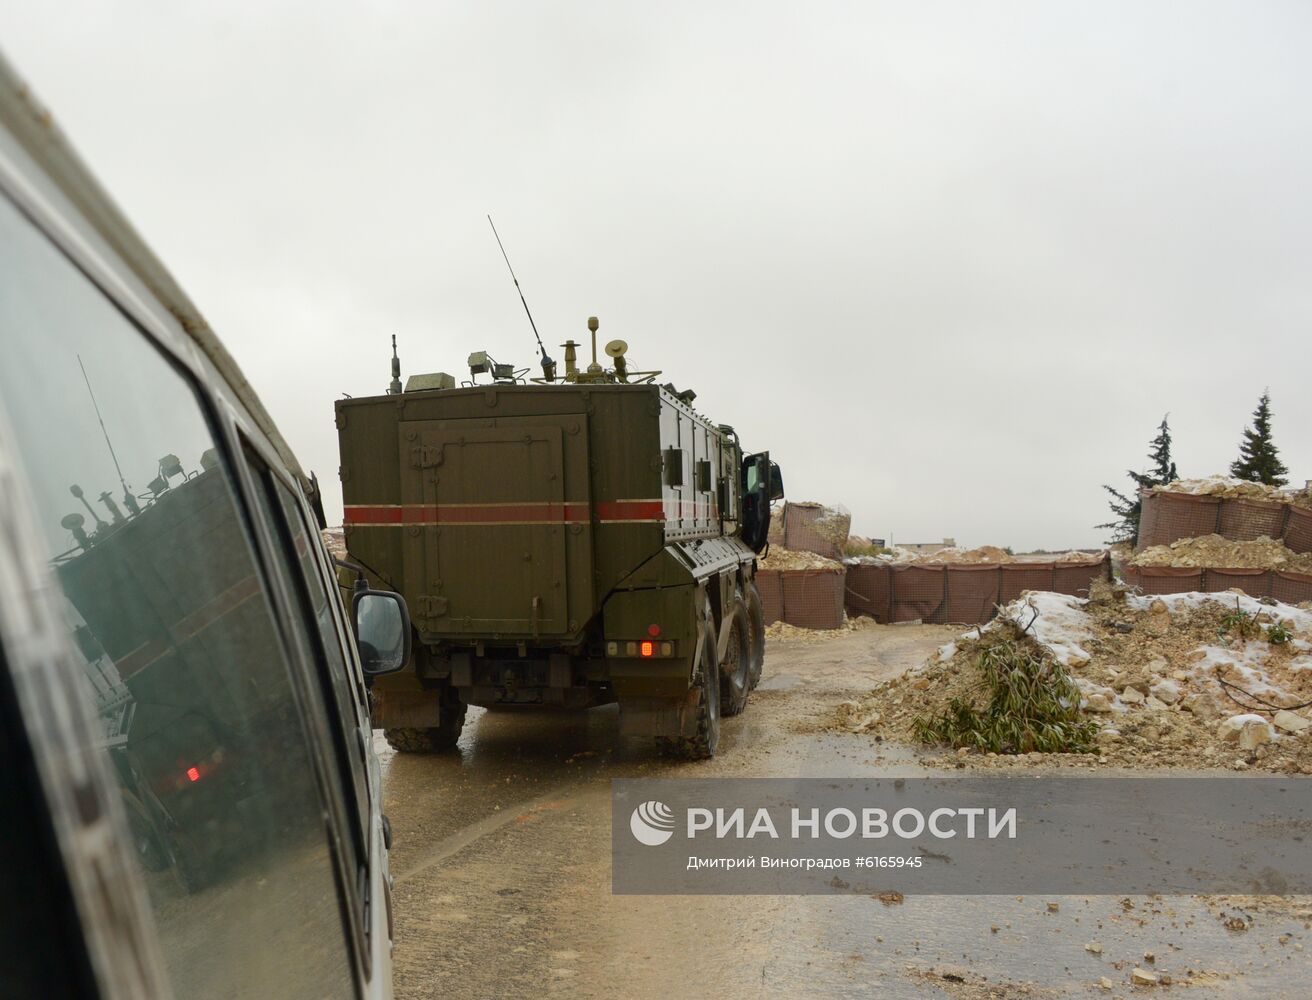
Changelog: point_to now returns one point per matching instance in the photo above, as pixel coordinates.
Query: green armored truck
(566, 540)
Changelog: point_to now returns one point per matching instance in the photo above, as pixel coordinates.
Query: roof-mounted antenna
(128, 497)
(548, 366)
(394, 389)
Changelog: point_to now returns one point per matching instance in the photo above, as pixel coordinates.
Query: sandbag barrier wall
(807, 598)
(1292, 588)
(801, 535)
(960, 594)
(1168, 517)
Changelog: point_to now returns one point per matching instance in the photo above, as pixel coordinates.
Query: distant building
(926, 548)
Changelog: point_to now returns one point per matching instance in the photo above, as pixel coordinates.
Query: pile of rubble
(779, 558)
(1217, 551)
(1224, 486)
(982, 555)
(1186, 680)
(795, 633)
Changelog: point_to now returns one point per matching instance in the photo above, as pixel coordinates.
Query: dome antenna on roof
(548, 366)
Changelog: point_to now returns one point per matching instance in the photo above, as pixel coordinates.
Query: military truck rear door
(756, 500)
(495, 520)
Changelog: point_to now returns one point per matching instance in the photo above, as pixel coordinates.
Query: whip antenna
(128, 498)
(548, 366)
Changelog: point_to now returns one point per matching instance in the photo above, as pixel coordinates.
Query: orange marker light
(193, 774)
(648, 649)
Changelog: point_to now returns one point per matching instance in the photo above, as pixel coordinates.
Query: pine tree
(1125, 526)
(1163, 467)
(1259, 459)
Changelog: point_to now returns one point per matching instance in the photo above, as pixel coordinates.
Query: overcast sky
(949, 262)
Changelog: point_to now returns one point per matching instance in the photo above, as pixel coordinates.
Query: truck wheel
(451, 715)
(735, 679)
(152, 854)
(707, 685)
(756, 636)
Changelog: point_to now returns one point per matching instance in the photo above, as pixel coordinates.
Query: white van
(191, 799)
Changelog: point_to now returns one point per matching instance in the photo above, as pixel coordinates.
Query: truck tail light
(646, 648)
(193, 773)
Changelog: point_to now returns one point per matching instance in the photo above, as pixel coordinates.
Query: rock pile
(779, 558)
(1224, 486)
(1214, 551)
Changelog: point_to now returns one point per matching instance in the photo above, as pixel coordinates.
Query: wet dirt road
(501, 857)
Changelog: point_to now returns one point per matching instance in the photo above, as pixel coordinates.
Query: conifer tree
(1259, 459)
(1125, 526)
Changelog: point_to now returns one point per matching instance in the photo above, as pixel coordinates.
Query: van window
(163, 597)
(345, 688)
(314, 630)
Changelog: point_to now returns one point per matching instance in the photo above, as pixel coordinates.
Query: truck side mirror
(776, 482)
(382, 630)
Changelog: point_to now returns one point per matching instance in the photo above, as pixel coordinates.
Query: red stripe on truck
(546, 512)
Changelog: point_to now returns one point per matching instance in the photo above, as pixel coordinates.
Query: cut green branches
(1032, 706)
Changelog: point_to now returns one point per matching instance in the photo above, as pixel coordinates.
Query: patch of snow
(1246, 661)
(946, 652)
(1061, 625)
(1296, 618)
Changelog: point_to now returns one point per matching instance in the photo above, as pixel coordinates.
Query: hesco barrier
(1168, 517)
(801, 533)
(964, 593)
(1292, 588)
(807, 598)
(1298, 529)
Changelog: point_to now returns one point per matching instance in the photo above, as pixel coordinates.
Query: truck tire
(735, 668)
(756, 635)
(707, 684)
(451, 713)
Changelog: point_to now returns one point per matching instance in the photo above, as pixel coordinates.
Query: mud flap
(671, 717)
(405, 710)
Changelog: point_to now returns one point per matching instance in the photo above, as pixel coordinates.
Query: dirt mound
(780, 558)
(1216, 552)
(988, 555)
(795, 633)
(1187, 680)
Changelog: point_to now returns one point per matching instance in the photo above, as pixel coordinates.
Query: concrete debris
(1143, 977)
(1093, 948)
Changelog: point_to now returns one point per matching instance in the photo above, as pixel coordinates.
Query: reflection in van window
(194, 696)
